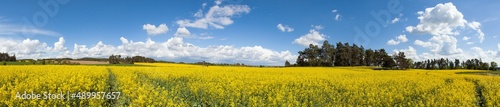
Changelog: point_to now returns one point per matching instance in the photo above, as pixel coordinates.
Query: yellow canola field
(194, 85)
(54, 79)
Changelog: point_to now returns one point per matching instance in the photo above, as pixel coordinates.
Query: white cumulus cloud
(217, 16)
(465, 38)
(153, 30)
(444, 22)
(284, 28)
(476, 26)
(392, 42)
(313, 37)
(498, 46)
(395, 20)
(173, 49)
(439, 20)
(182, 32)
(59, 45)
(409, 53)
(399, 39)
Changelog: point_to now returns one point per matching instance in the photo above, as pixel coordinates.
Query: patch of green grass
(19, 63)
(481, 73)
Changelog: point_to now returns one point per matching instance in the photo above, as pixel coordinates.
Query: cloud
(465, 38)
(485, 55)
(399, 39)
(443, 19)
(470, 43)
(26, 48)
(217, 16)
(203, 36)
(203, 5)
(172, 49)
(423, 44)
(153, 30)
(284, 28)
(313, 37)
(439, 20)
(489, 19)
(199, 13)
(476, 26)
(409, 53)
(59, 45)
(337, 16)
(317, 27)
(25, 31)
(395, 20)
(402, 38)
(443, 22)
(182, 32)
(447, 45)
(392, 42)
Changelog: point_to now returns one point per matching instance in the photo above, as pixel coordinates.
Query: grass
(19, 63)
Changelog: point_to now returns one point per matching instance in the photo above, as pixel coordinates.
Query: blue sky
(247, 31)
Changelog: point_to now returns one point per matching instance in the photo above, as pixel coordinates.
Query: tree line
(117, 59)
(7, 57)
(344, 54)
(476, 64)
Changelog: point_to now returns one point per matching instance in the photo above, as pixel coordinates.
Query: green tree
(388, 62)
(369, 57)
(301, 59)
(287, 64)
(457, 62)
(339, 56)
(325, 54)
(410, 63)
(401, 60)
(4, 63)
(493, 65)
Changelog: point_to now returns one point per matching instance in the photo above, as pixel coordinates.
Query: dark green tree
(287, 64)
(388, 62)
(457, 62)
(493, 65)
(401, 60)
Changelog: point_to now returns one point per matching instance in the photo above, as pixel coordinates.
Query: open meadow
(194, 85)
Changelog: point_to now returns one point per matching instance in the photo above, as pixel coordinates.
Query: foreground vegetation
(195, 85)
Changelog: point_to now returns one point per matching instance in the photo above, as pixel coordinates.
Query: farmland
(194, 85)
